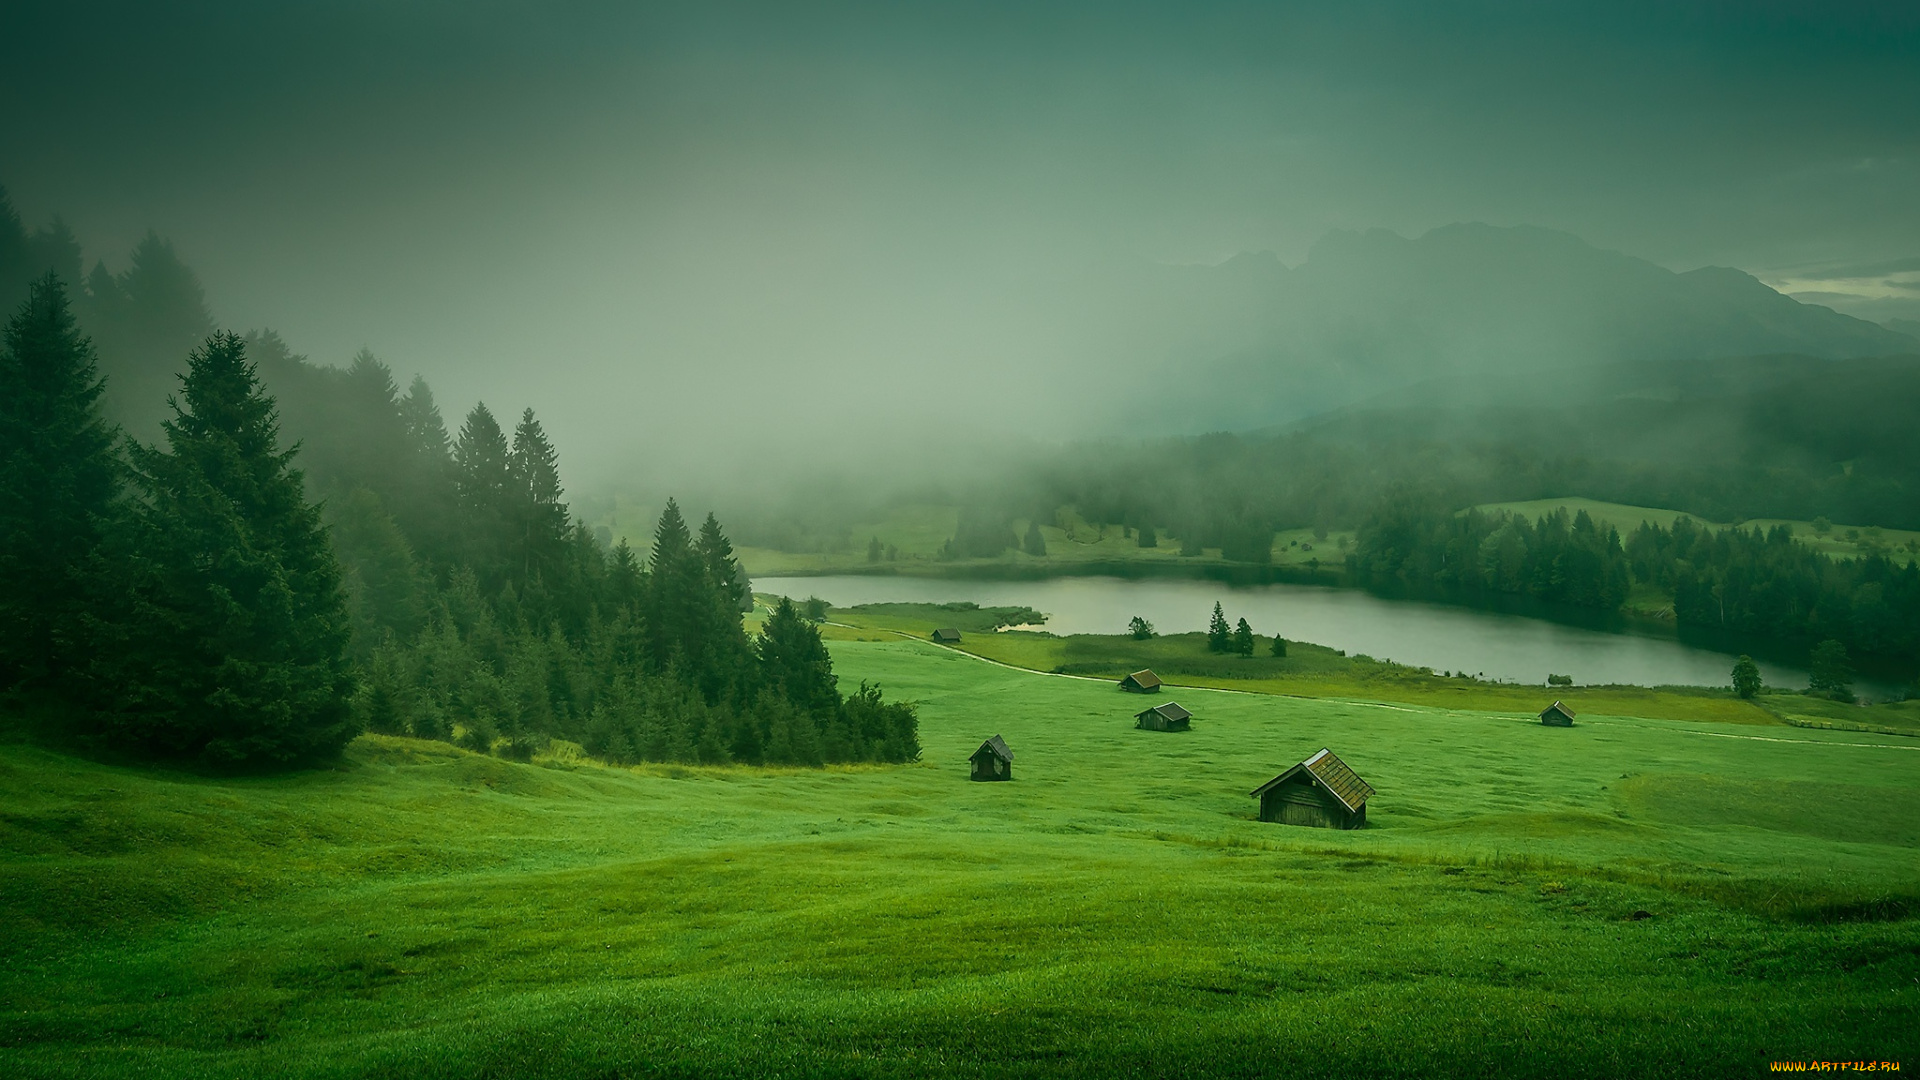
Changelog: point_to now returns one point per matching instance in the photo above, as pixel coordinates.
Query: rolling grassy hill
(1526, 901)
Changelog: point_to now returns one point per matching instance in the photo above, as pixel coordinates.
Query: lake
(1488, 644)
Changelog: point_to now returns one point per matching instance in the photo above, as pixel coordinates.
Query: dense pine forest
(227, 597)
(1755, 582)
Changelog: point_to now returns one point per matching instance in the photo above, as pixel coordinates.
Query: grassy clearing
(1841, 541)
(1527, 901)
(1890, 718)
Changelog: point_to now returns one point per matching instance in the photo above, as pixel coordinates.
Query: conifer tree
(723, 570)
(58, 480)
(1243, 638)
(1279, 647)
(483, 465)
(794, 663)
(1034, 544)
(624, 578)
(428, 506)
(1219, 634)
(383, 586)
(145, 319)
(235, 648)
(679, 599)
(539, 518)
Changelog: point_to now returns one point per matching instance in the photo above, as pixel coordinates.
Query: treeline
(1764, 583)
(1749, 581)
(1556, 558)
(188, 601)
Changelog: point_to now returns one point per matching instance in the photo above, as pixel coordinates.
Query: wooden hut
(1556, 715)
(1321, 792)
(993, 761)
(1168, 717)
(1141, 682)
(947, 636)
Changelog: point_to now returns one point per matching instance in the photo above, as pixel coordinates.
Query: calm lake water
(1442, 637)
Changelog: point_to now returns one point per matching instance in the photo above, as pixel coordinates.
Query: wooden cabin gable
(1320, 792)
(993, 761)
(1557, 715)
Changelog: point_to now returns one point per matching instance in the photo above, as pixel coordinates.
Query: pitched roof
(1559, 708)
(1330, 773)
(996, 746)
(1145, 678)
(946, 633)
(1171, 710)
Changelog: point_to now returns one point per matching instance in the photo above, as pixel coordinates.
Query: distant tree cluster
(186, 600)
(1568, 560)
(1763, 583)
(1237, 640)
(1755, 582)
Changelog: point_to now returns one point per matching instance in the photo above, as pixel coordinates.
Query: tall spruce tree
(679, 600)
(723, 570)
(58, 480)
(540, 526)
(1219, 634)
(483, 477)
(428, 506)
(145, 319)
(234, 649)
(794, 663)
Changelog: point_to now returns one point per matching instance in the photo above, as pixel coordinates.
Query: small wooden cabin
(1141, 682)
(1168, 717)
(1321, 792)
(947, 636)
(993, 761)
(1557, 715)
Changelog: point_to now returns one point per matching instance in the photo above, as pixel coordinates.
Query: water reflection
(1442, 637)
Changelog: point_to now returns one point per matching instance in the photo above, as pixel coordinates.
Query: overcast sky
(729, 212)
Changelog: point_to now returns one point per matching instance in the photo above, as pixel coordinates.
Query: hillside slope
(1526, 901)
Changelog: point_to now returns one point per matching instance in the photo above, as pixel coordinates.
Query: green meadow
(1628, 896)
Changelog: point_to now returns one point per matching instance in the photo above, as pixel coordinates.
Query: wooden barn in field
(1321, 792)
(947, 636)
(1143, 681)
(1168, 717)
(1556, 715)
(993, 761)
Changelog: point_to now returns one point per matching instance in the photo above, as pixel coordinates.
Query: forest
(1754, 582)
(231, 599)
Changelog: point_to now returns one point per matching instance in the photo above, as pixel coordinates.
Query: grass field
(1624, 897)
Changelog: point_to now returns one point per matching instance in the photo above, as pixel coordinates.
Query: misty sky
(730, 217)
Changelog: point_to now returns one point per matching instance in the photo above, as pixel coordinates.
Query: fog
(731, 237)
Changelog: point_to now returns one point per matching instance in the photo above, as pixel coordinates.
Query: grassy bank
(1526, 901)
(1307, 670)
